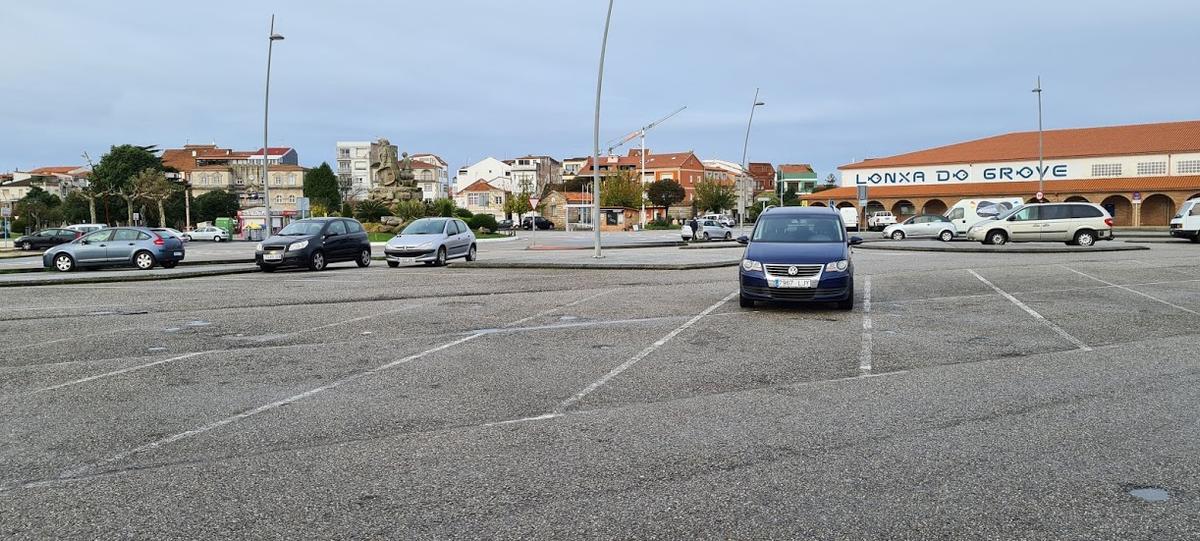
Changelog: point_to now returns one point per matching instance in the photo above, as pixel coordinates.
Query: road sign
(862, 192)
(137, 216)
(763, 199)
(1137, 197)
(1039, 196)
(6, 212)
(533, 201)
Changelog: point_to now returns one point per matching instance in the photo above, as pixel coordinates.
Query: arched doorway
(816, 204)
(1193, 196)
(1120, 209)
(934, 206)
(1076, 199)
(903, 209)
(875, 206)
(1157, 210)
(845, 205)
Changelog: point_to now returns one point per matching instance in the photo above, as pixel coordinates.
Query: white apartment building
(490, 170)
(354, 166)
(532, 173)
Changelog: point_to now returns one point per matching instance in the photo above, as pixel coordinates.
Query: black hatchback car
(542, 223)
(46, 238)
(315, 243)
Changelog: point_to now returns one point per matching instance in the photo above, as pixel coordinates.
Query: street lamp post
(596, 140)
(745, 147)
(271, 39)
(1041, 169)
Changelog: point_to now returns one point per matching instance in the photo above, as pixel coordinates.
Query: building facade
(1139, 173)
(798, 178)
(683, 167)
(490, 170)
(208, 168)
(480, 197)
(571, 167)
(531, 174)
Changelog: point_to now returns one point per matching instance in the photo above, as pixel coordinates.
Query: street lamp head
(757, 103)
(276, 37)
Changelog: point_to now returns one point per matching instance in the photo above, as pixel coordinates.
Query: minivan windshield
(425, 226)
(301, 228)
(1004, 215)
(798, 229)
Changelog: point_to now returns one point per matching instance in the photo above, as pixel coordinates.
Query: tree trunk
(162, 216)
(92, 208)
(128, 209)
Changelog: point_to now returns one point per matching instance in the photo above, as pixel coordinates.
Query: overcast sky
(471, 78)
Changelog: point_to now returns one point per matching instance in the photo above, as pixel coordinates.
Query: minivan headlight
(838, 266)
(751, 265)
(298, 245)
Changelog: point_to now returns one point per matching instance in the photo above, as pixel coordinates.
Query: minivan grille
(802, 271)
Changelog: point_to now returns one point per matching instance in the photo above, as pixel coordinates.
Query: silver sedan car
(922, 225)
(712, 229)
(431, 241)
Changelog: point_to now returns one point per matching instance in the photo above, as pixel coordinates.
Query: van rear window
(1085, 211)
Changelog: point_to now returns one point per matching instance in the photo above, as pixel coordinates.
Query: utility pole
(271, 39)
(745, 147)
(596, 139)
(1041, 168)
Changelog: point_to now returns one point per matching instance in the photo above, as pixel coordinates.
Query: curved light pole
(1041, 170)
(596, 140)
(271, 39)
(745, 147)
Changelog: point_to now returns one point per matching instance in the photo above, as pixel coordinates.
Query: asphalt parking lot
(966, 396)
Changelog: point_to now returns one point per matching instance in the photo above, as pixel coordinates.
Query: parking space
(529, 397)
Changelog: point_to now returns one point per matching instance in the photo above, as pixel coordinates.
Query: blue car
(798, 254)
(116, 246)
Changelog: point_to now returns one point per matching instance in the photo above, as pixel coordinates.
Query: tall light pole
(271, 39)
(745, 147)
(1041, 169)
(596, 140)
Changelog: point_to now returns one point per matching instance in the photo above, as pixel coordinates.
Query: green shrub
(370, 211)
(409, 210)
(660, 225)
(483, 221)
(463, 213)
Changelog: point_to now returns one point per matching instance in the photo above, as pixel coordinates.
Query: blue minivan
(798, 254)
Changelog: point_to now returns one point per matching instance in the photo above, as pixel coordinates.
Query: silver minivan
(1079, 224)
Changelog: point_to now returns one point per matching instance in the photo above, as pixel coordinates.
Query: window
(1195, 210)
(278, 199)
(1026, 214)
(1055, 212)
(292, 199)
(353, 226)
(124, 234)
(99, 236)
(143, 236)
(1085, 211)
(462, 226)
(1187, 167)
(1106, 170)
(292, 179)
(1152, 168)
(275, 180)
(477, 199)
(336, 227)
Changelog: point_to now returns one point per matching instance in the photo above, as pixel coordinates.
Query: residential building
(532, 174)
(490, 170)
(763, 174)
(571, 167)
(798, 178)
(58, 180)
(208, 168)
(684, 167)
(480, 197)
(1140, 173)
(568, 210)
(354, 167)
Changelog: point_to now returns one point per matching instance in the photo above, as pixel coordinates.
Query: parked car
(849, 217)
(542, 223)
(315, 243)
(86, 228)
(45, 238)
(719, 218)
(922, 225)
(1073, 223)
(968, 212)
(798, 254)
(116, 246)
(1186, 224)
(431, 241)
(504, 225)
(712, 229)
(170, 231)
(880, 220)
(214, 234)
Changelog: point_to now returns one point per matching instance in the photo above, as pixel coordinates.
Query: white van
(969, 212)
(719, 218)
(1186, 224)
(849, 217)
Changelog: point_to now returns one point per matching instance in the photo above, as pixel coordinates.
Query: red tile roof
(275, 151)
(576, 197)
(479, 186)
(1070, 143)
(1146, 185)
(56, 169)
(795, 168)
(670, 160)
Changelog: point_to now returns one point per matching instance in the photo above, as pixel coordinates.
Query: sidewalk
(661, 258)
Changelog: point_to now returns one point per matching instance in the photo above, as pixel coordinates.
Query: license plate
(790, 283)
(404, 260)
(178, 254)
(272, 256)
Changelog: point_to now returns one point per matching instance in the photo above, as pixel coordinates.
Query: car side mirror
(856, 240)
(85, 241)
(743, 239)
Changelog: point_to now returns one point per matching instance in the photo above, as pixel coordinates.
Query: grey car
(431, 241)
(922, 225)
(115, 247)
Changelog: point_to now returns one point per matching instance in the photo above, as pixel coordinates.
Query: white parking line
(119, 372)
(639, 356)
(69, 338)
(864, 357)
(1077, 342)
(1118, 286)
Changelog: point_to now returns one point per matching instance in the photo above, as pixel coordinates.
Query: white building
(489, 170)
(354, 166)
(532, 173)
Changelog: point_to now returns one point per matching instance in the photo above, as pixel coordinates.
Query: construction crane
(641, 133)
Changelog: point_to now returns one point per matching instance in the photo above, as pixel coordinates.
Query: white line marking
(69, 338)
(1118, 286)
(1077, 342)
(555, 309)
(118, 372)
(542, 417)
(864, 357)
(639, 356)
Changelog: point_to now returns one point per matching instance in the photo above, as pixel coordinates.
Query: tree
(620, 190)
(321, 186)
(152, 185)
(215, 204)
(38, 207)
(370, 210)
(117, 169)
(78, 208)
(790, 197)
(443, 207)
(517, 205)
(409, 209)
(664, 193)
(714, 197)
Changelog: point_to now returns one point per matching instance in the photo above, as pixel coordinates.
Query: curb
(130, 278)
(710, 246)
(596, 266)
(1003, 249)
(1171, 240)
(657, 244)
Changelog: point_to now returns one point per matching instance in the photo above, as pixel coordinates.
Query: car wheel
(169, 264)
(728, 236)
(393, 264)
(472, 254)
(946, 236)
(897, 235)
(745, 302)
(1085, 238)
(267, 268)
(316, 261)
(26, 245)
(64, 263)
(143, 260)
(705, 236)
(1196, 238)
(997, 237)
(187, 238)
(364, 258)
(441, 257)
(217, 238)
